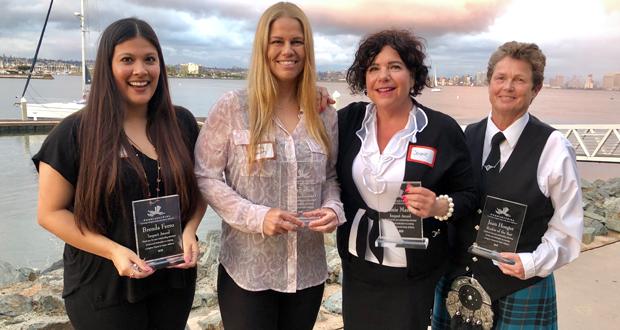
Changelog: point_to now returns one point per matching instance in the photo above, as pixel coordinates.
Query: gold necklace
(146, 179)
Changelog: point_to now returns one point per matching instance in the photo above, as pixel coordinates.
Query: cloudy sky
(578, 36)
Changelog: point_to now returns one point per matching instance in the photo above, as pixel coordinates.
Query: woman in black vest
(383, 143)
(518, 158)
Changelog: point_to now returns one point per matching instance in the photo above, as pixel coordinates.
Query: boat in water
(59, 110)
(435, 87)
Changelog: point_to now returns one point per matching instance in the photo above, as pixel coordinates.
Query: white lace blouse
(285, 262)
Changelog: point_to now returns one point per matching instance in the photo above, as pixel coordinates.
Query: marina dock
(18, 126)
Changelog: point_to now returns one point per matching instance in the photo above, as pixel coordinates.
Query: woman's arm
(191, 248)
(55, 196)
(332, 212)
(457, 183)
(212, 158)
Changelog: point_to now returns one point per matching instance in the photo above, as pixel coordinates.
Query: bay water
(24, 243)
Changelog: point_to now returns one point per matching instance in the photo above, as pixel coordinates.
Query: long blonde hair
(263, 86)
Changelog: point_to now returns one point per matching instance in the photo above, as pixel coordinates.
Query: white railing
(594, 143)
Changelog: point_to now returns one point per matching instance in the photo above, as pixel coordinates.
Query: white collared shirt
(558, 179)
(378, 176)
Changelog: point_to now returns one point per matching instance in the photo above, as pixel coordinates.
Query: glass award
(500, 227)
(305, 195)
(158, 231)
(398, 227)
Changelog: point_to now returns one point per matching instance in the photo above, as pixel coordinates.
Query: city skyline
(460, 35)
(9, 64)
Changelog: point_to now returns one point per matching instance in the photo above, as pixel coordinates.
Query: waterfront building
(557, 81)
(611, 81)
(589, 84)
(190, 68)
(480, 79)
(575, 82)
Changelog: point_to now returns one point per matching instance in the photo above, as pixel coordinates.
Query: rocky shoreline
(31, 299)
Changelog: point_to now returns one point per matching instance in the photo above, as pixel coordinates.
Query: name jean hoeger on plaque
(157, 224)
(500, 228)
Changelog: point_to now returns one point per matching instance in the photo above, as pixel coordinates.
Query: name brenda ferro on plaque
(500, 228)
(157, 224)
(398, 227)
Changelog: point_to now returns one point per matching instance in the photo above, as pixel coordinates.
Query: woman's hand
(128, 263)
(327, 220)
(191, 249)
(515, 270)
(278, 221)
(423, 202)
(323, 99)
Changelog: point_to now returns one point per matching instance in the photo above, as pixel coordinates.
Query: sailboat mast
(83, 32)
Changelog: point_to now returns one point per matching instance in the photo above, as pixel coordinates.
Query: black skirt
(381, 297)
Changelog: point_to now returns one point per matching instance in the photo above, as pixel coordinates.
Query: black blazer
(451, 174)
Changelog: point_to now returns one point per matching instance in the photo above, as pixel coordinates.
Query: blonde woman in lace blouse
(258, 148)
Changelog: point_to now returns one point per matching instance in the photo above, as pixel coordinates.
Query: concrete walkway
(588, 290)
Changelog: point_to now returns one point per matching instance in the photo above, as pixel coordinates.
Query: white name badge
(421, 154)
(265, 150)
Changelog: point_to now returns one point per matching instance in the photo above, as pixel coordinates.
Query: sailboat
(59, 110)
(435, 87)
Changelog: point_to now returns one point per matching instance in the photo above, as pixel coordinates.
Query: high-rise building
(589, 84)
(575, 82)
(611, 81)
(481, 79)
(557, 81)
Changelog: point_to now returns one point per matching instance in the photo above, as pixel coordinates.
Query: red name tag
(421, 154)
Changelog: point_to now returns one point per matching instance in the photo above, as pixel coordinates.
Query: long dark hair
(103, 143)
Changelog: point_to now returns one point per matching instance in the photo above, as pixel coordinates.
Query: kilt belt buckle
(469, 305)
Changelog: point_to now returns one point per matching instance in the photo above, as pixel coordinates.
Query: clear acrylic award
(158, 231)
(499, 230)
(306, 194)
(398, 227)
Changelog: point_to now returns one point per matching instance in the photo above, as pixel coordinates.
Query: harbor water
(24, 243)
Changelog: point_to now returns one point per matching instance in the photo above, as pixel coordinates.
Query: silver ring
(135, 266)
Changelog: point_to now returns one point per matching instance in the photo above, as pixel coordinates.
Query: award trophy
(500, 228)
(397, 226)
(309, 187)
(158, 231)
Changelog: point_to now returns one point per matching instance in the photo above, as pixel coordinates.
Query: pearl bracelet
(450, 207)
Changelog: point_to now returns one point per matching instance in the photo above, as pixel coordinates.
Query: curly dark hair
(410, 48)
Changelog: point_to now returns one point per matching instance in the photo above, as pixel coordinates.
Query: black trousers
(266, 310)
(166, 310)
(380, 297)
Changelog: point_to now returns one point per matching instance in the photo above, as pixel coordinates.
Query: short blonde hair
(263, 85)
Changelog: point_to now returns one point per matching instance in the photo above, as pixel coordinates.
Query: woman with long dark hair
(128, 144)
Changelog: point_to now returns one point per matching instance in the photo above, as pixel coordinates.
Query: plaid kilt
(530, 308)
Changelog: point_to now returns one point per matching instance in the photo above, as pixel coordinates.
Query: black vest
(517, 181)
(442, 133)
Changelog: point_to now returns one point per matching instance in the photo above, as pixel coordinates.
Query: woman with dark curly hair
(393, 140)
